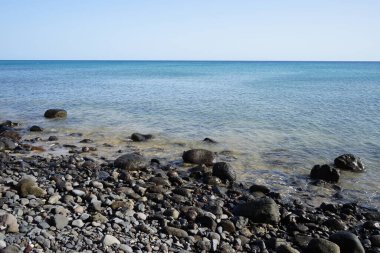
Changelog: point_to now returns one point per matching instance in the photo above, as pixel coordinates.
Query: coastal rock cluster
(75, 203)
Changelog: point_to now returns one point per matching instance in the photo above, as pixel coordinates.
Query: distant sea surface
(275, 119)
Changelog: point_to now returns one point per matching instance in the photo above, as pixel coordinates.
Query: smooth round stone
(348, 242)
(78, 192)
(320, 245)
(109, 240)
(78, 223)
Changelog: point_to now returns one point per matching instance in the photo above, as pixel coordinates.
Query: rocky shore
(76, 203)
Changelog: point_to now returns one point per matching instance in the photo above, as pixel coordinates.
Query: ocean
(273, 120)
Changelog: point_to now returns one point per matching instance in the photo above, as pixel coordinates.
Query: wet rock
(131, 162)
(209, 140)
(137, 137)
(348, 242)
(199, 156)
(259, 188)
(28, 186)
(9, 222)
(109, 240)
(322, 246)
(224, 171)
(53, 138)
(263, 210)
(35, 129)
(180, 233)
(325, 172)
(55, 113)
(13, 135)
(349, 162)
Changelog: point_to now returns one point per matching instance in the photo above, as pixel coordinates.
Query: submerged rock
(35, 129)
(325, 172)
(264, 210)
(141, 137)
(199, 156)
(348, 242)
(224, 171)
(209, 140)
(55, 113)
(131, 162)
(349, 162)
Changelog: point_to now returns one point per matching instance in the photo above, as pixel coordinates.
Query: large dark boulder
(141, 137)
(349, 162)
(224, 171)
(348, 242)
(131, 162)
(55, 113)
(325, 172)
(199, 156)
(263, 210)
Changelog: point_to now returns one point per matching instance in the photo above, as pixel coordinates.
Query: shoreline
(159, 206)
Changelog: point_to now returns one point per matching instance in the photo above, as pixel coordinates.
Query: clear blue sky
(190, 29)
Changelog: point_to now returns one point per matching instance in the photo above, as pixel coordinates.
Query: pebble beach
(83, 201)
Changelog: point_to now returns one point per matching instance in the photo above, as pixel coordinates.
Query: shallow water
(277, 118)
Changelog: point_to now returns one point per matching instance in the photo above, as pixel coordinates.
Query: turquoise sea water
(278, 118)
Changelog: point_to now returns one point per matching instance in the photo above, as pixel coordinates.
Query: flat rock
(264, 210)
(175, 232)
(60, 221)
(131, 162)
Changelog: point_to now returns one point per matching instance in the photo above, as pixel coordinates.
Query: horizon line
(187, 60)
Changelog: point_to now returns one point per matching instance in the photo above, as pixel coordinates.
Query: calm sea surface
(276, 119)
